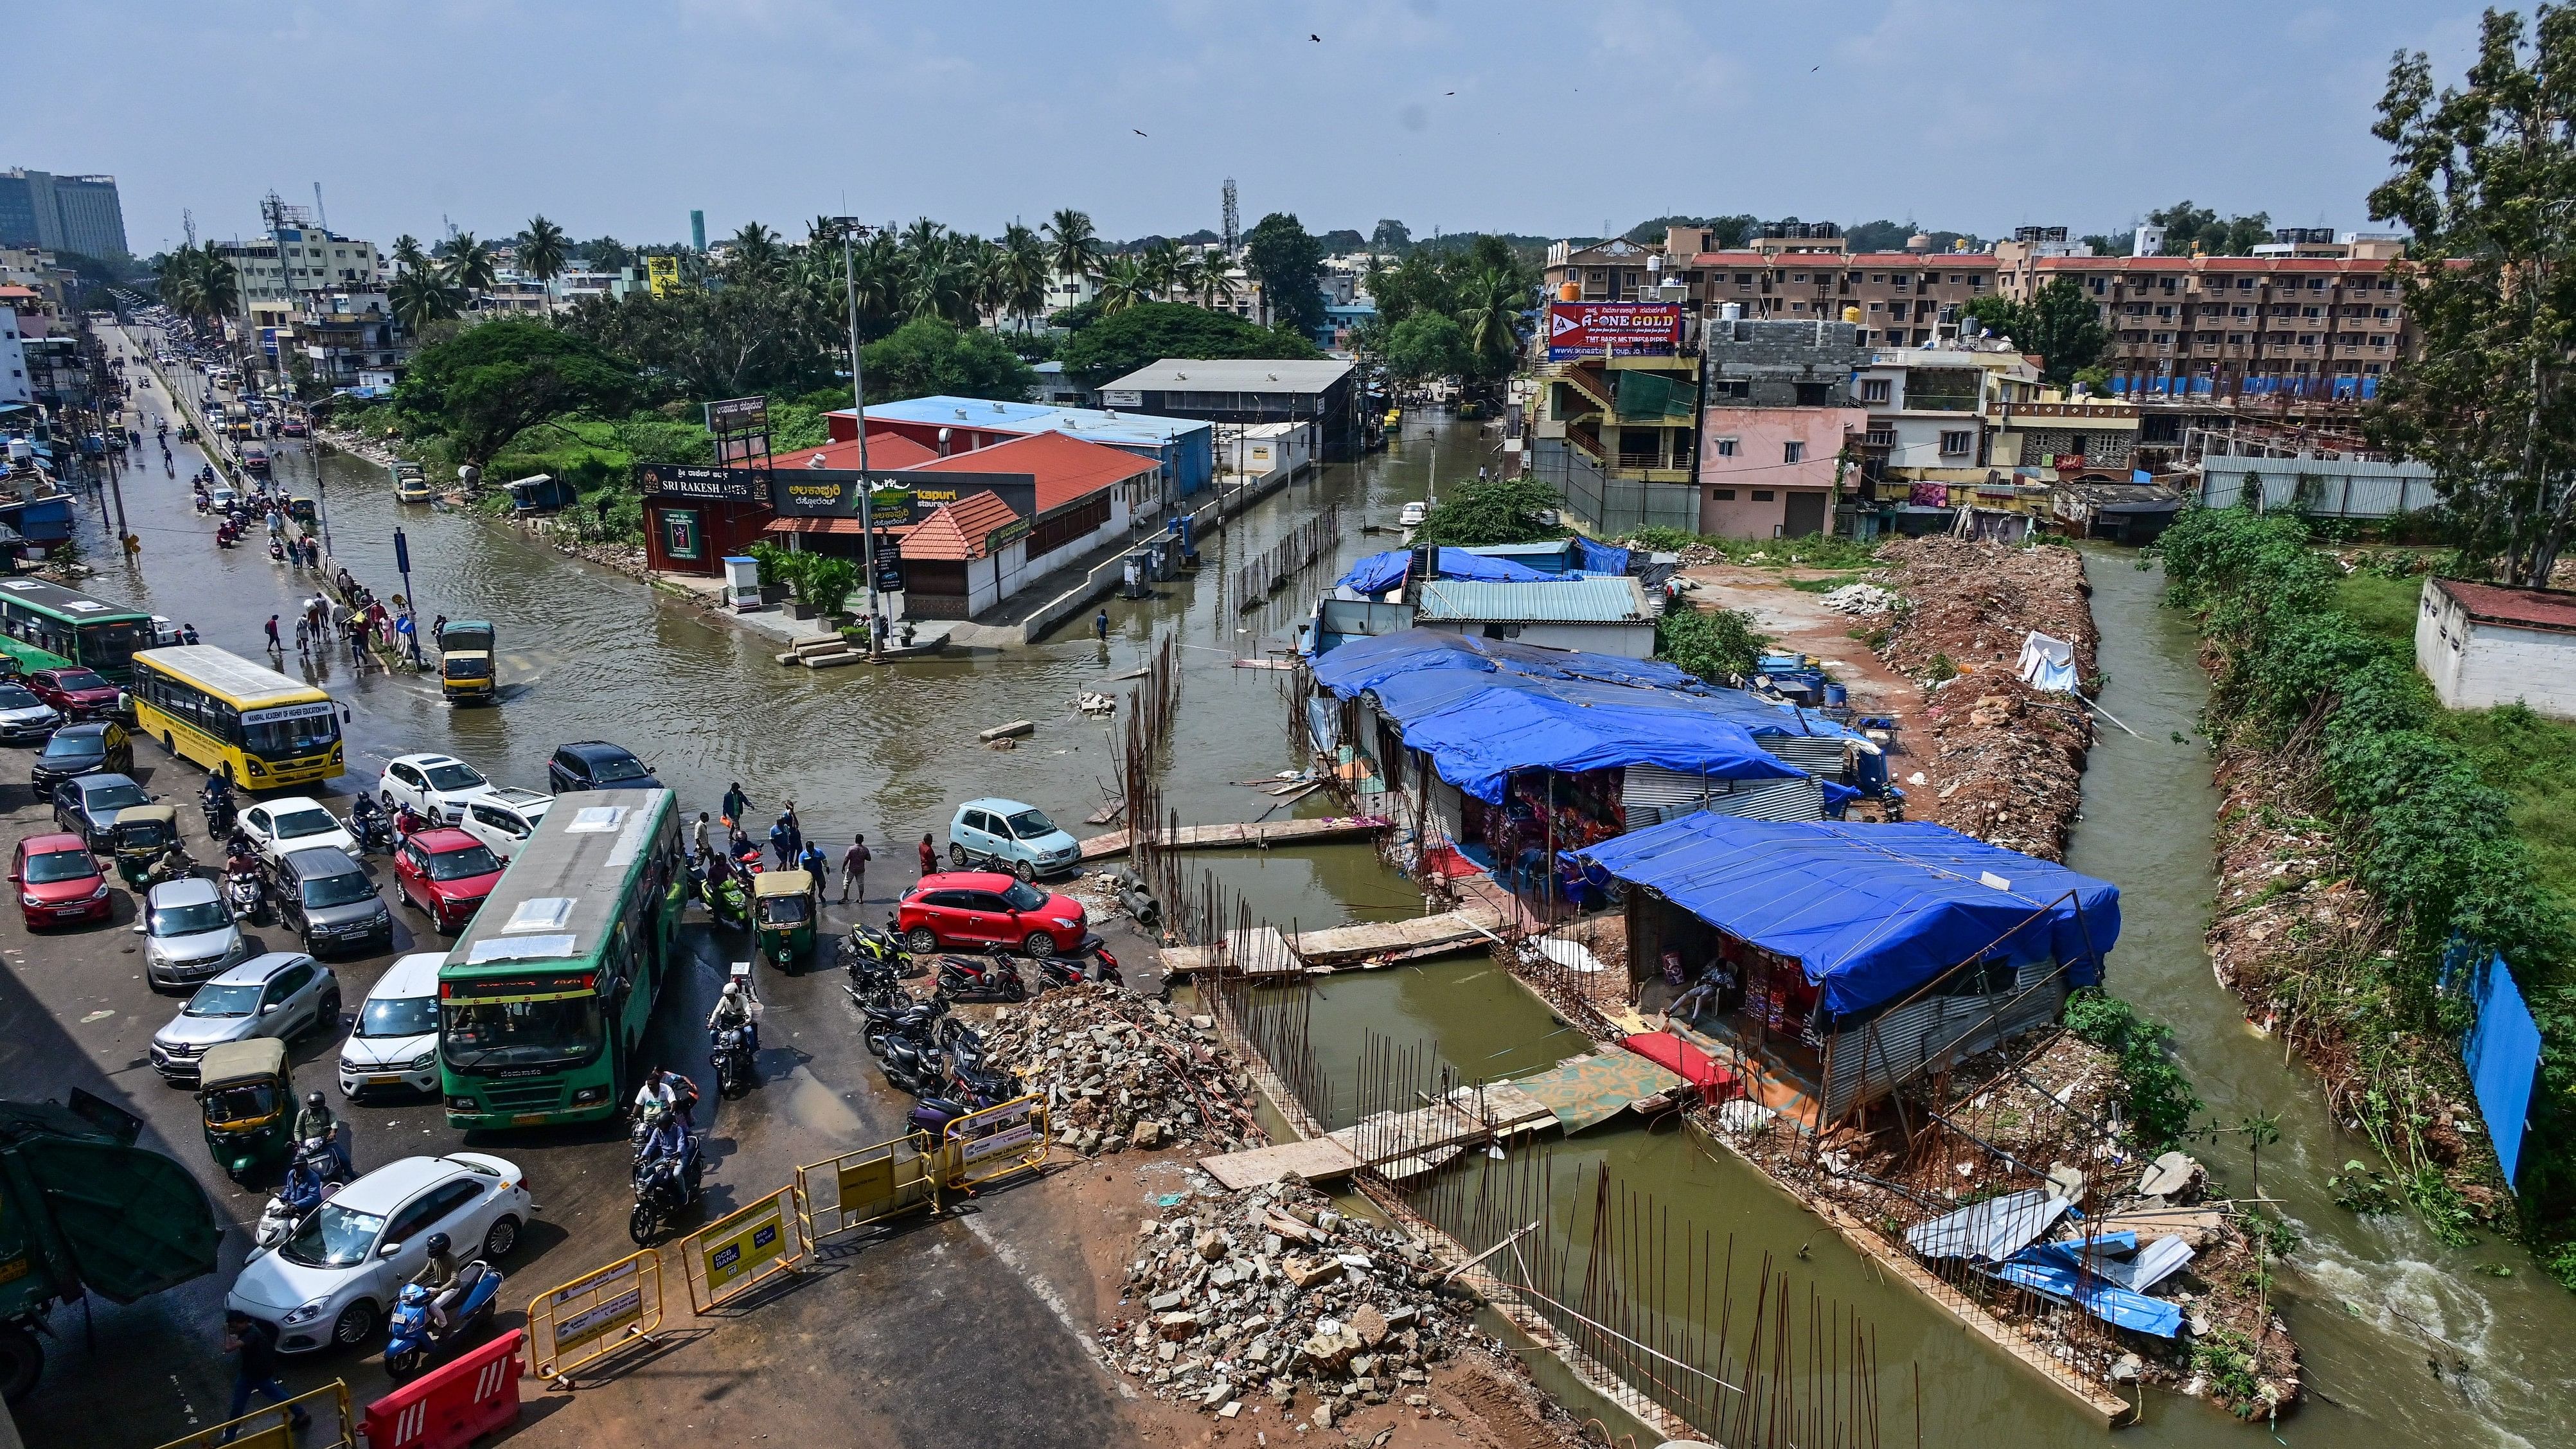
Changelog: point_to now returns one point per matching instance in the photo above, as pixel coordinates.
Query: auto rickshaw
(301, 510)
(782, 913)
(246, 1102)
(143, 833)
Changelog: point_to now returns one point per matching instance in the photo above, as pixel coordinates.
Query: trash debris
(1121, 1070)
(1863, 599)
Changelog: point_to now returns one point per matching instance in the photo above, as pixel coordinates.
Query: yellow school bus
(239, 719)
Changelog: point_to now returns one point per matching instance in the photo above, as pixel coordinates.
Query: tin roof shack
(1858, 957)
(1603, 615)
(2132, 513)
(2482, 645)
(1321, 395)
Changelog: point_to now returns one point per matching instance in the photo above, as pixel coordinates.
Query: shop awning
(1871, 912)
(849, 526)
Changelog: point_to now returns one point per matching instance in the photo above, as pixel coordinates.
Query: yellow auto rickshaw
(782, 914)
(143, 833)
(246, 1101)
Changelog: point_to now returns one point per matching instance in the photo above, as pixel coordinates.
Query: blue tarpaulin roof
(1379, 572)
(1871, 911)
(1364, 664)
(1476, 740)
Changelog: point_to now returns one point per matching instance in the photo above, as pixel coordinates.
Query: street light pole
(850, 228)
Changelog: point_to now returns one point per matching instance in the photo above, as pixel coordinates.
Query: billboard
(675, 480)
(1621, 329)
(663, 273)
(834, 492)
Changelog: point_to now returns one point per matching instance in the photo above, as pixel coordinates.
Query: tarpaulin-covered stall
(1379, 572)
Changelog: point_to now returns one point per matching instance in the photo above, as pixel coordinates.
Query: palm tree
(421, 297)
(542, 249)
(1123, 285)
(1188, 278)
(1025, 268)
(1161, 265)
(1074, 247)
(756, 253)
(218, 283)
(1217, 285)
(408, 257)
(1490, 304)
(469, 267)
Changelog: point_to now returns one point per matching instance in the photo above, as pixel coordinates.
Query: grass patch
(1828, 583)
(2533, 759)
(2381, 606)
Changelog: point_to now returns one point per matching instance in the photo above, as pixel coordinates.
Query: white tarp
(2048, 663)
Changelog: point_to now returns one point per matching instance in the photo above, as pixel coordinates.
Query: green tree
(1073, 248)
(2483, 178)
(1024, 273)
(1289, 263)
(542, 252)
(1425, 345)
(1123, 284)
(1121, 342)
(2060, 323)
(1391, 237)
(1490, 304)
(928, 356)
(469, 266)
(1489, 511)
(605, 254)
(420, 296)
(1715, 644)
(1160, 269)
(2189, 228)
(767, 335)
(408, 257)
(489, 383)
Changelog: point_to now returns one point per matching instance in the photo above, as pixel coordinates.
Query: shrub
(2160, 1098)
(1713, 644)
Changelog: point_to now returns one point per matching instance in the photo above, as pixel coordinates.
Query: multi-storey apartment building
(2236, 326)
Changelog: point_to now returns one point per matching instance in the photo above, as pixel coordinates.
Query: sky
(620, 116)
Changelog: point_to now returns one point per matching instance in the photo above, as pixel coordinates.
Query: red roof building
(970, 555)
(2482, 646)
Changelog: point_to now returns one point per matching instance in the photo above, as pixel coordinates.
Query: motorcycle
(731, 1058)
(246, 896)
(664, 1189)
(893, 1015)
(276, 552)
(216, 801)
(912, 1067)
(368, 822)
(874, 958)
(1058, 972)
(990, 978)
(728, 903)
(413, 1338)
(311, 1178)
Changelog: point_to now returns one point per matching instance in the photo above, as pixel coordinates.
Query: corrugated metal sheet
(1551, 601)
(1651, 793)
(1772, 800)
(1952, 1028)
(1815, 754)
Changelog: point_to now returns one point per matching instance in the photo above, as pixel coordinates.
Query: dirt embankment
(2005, 760)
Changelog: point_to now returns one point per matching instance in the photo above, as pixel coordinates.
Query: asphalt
(960, 1331)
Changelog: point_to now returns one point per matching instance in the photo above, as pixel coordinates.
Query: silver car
(188, 933)
(282, 994)
(23, 717)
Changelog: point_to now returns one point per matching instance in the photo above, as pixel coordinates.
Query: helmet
(438, 1242)
(732, 991)
(313, 1099)
(414, 1295)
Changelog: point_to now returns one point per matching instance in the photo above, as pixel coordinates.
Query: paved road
(899, 1336)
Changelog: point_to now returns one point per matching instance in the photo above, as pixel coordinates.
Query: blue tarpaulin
(1379, 572)
(2502, 1052)
(1477, 740)
(1600, 558)
(2053, 1269)
(1363, 664)
(1871, 911)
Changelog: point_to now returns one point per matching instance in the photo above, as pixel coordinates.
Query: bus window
(486, 1035)
(278, 738)
(108, 646)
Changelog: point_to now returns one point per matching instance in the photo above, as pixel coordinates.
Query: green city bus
(90, 632)
(544, 1000)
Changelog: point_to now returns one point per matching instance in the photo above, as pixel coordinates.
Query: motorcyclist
(314, 1123)
(666, 1140)
(437, 1277)
(733, 1009)
(173, 864)
(668, 1090)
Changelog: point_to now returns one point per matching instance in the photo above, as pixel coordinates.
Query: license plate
(528, 1119)
(387, 1079)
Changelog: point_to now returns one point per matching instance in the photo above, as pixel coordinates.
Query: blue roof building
(951, 425)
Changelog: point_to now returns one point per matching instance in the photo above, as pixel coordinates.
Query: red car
(76, 692)
(981, 909)
(446, 874)
(58, 881)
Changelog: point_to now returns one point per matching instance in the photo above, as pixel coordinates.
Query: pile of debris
(1121, 1070)
(1271, 1290)
(1974, 603)
(2012, 758)
(1863, 599)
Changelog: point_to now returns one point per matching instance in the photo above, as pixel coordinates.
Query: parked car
(298, 822)
(596, 765)
(188, 933)
(23, 716)
(505, 818)
(333, 1280)
(980, 910)
(283, 994)
(325, 897)
(91, 747)
(394, 1042)
(86, 806)
(1007, 835)
(1413, 514)
(58, 881)
(446, 874)
(435, 786)
(75, 691)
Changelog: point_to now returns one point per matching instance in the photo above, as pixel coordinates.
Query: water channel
(891, 751)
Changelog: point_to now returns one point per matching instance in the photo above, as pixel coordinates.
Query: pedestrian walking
(303, 637)
(736, 805)
(929, 855)
(253, 1345)
(698, 837)
(274, 647)
(854, 869)
(818, 865)
(358, 648)
(795, 827)
(1100, 626)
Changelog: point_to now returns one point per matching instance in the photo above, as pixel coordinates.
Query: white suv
(436, 787)
(504, 817)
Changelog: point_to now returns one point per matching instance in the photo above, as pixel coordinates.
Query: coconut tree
(1217, 286)
(408, 257)
(1073, 247)
(1025, 268)
(469, 267)
(422, 296)
(1123, 284)
(756, 254)
(542, 249)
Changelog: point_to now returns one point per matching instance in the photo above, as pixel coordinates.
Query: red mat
(1693, 1065)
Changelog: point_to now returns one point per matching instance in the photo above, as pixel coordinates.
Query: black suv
(597, 765)
(327, 899)
(92, 747)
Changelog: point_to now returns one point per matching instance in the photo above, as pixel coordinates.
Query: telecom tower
(1233, 221)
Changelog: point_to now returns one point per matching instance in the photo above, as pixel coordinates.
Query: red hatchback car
(446, 873)
(76, 692)
(980, 909)
(58, 881)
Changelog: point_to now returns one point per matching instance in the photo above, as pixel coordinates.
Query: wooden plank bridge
(1244, 834)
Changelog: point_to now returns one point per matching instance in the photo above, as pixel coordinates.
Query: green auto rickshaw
(246, 1102)
(782, 913)
(143, 833)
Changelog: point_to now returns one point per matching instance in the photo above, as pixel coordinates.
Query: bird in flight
(1310, 35)
(1140, 133)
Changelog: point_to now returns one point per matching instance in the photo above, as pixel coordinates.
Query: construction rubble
(1862, 599)
(1121, 1070)
(1272, 1291)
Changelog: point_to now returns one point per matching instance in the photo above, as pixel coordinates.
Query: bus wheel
(228, 774)
(167, 746)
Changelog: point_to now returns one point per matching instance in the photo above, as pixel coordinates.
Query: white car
(1413, 514)
(277, 828)
(436, 787)
(504, 818)
(395, 1043)
(333, 1280)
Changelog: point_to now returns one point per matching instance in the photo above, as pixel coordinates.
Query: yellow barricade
(728, 1257)
(271, 1428)
(575, 1324)
(866, 1186)
(996, 1141)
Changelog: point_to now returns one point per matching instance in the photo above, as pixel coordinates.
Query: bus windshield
(281, 737)
(484, 1035)
(109, 646)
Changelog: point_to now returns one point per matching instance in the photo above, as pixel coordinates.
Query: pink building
(1769, 472)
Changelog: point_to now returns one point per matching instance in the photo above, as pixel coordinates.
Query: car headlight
(1069, 924)
(98, 893)
(28, 900)
(307, 1313)
(424, 1061)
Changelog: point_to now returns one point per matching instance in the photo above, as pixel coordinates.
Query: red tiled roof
(14, 291)
(1065, 468)
(2550, 609)
(885, 450)
(956, 531)
(1929, 261)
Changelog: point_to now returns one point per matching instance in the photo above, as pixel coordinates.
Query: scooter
(414, 1340)
(913, 1067)
(731, 1058)
(311, 1178)
(663, 1191)
(728, 902)
(215, 800)
(874, 958)
(1058, 972)
(246, 896)
(990, 978)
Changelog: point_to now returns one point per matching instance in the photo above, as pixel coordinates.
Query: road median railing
(743, 1249)
(574, 1325)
